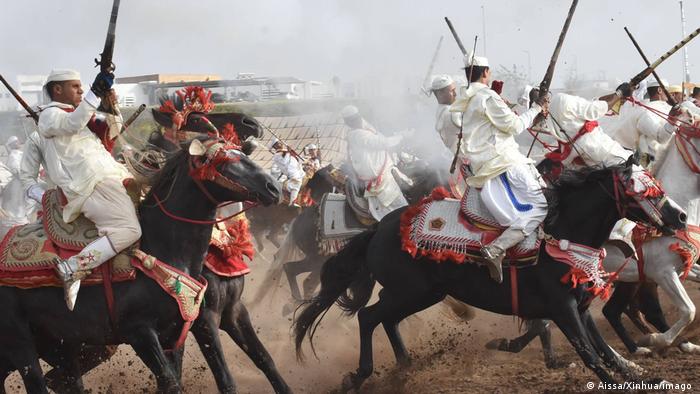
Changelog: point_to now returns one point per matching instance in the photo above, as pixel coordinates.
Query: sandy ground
(449, 357)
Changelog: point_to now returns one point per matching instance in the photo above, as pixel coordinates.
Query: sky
(359, 39)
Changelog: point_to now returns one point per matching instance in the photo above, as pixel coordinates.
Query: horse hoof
(349, 384)
(556, 364)
(654, 340)
(642, 351)
(689, 347)
(497, 344)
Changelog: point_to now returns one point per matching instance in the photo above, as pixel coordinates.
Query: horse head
(224, 173)
(324, 180)
(647, 202)
(597, 198)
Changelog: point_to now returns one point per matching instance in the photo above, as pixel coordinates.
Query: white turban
(441, 82)
(652, 83)
(349, 111)
(272, 143)
(478, 61)
(63, 75)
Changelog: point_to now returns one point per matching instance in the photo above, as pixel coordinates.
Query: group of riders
(74, 138)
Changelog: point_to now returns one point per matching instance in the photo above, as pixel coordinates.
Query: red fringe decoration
(686, 255)
(410, 247)
(194, 99)
(229, 134)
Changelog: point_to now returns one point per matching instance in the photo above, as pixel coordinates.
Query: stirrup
(70, 280)
(495, 261)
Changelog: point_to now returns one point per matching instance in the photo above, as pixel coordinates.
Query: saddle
(28, 252)
(358, 203)
(338, 222)
(442, 228)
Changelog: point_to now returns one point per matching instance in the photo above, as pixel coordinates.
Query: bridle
(205, 168)
(622, 189)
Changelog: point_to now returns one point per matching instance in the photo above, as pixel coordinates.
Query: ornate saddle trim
(445, 235)
(474, 210)
(70, 236)
(187, 291)
(687, 247)
(586, 264)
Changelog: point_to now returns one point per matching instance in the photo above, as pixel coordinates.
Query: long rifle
(20, 100)
(549, 74)
(647, 71)
(132, 118)
(547, 80)
(456, 36)
(426, 82)
(670, 99)
(291, 150)
(453, 166)
(106, 62)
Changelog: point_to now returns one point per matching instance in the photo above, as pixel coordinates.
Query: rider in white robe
(373, 165)
(511, 187)
(285, 164)
(77, 162)
(447, 123)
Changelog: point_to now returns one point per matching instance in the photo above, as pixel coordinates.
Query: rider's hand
(102, 84)
(624, 90)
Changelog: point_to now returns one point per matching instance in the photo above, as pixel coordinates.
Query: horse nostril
(272, 188)
(682, 217)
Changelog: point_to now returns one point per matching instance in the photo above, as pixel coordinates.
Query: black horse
(302, 232)
(37, 324)
(584, 210)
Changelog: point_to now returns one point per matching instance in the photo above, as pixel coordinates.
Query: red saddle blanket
(28, 252)
(27, 259)
(437, 229)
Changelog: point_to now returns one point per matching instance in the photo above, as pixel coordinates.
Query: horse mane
(572, 180)
(168, 172)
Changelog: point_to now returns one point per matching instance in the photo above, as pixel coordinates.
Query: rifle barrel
(646, 72)
(653, 72)
(456, 36)
(20, 100)
(547, 80)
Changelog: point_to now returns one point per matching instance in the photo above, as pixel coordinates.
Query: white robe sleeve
(505, 119)
(375, 141)
(54, 121)
(31, 162)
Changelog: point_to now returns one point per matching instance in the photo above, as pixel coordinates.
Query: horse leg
(90, 357)
(611, 358)
(391, 325)
(670, 283)
(545, 334)
(175, 358)
(292, 269)
(313, 280)
(634, 310)
(651, 308)
(145, 343)
(236, 322)
(517, 344)
(569, 322)
(390, 309)
(26, 361)
(206, 332)
(622, 296)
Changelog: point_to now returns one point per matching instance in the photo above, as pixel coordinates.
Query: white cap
(311, 146)
(675, 89)
(349, 111)
(478, 61)
(272, 142)
(12, 140)
(63, 75)
(651, 83)
(441, 82)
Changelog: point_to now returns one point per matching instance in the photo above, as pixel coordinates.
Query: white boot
(77, 267)
(496, 251)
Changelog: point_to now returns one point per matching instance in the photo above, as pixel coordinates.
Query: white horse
(660, 264)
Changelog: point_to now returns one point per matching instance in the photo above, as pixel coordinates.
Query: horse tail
(346, 271)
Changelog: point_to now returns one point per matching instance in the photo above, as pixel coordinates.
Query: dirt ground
(448, 356)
